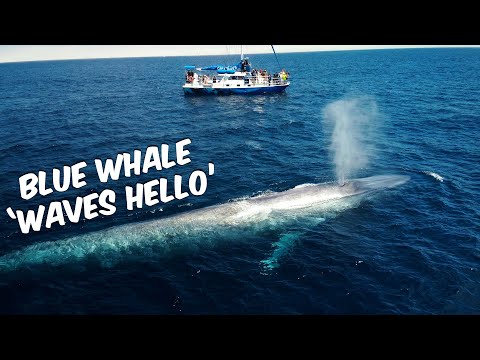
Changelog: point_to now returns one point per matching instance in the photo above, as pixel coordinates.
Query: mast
(241, 52)
(278, 62)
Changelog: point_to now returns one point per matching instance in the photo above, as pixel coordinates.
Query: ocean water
(412, 249)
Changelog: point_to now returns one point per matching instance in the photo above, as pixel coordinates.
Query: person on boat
(195, 77)
(244, 65)
(283, 75)
(264, 76)
(248, 66)
(189, 76)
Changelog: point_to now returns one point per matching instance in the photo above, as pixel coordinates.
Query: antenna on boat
(278, 62)
(241, 52)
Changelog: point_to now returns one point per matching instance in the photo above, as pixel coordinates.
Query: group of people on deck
(262, 75)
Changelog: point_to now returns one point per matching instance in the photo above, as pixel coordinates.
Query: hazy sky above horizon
(14, 53)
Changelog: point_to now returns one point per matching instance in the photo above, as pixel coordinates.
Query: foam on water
(434, 175)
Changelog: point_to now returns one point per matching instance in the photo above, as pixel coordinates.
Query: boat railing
(265, 80)
(248, 80)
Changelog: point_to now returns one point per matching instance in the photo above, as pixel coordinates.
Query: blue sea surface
(412, 249)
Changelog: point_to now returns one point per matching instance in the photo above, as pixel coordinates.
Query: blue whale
(277, 211)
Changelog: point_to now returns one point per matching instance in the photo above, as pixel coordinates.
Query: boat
(241, 78)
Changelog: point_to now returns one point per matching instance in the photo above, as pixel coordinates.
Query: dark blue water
(413, 249)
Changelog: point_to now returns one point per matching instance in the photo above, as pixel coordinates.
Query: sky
(16, 53)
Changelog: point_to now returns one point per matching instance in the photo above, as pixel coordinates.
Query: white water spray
(434, 175)
(352, 121)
